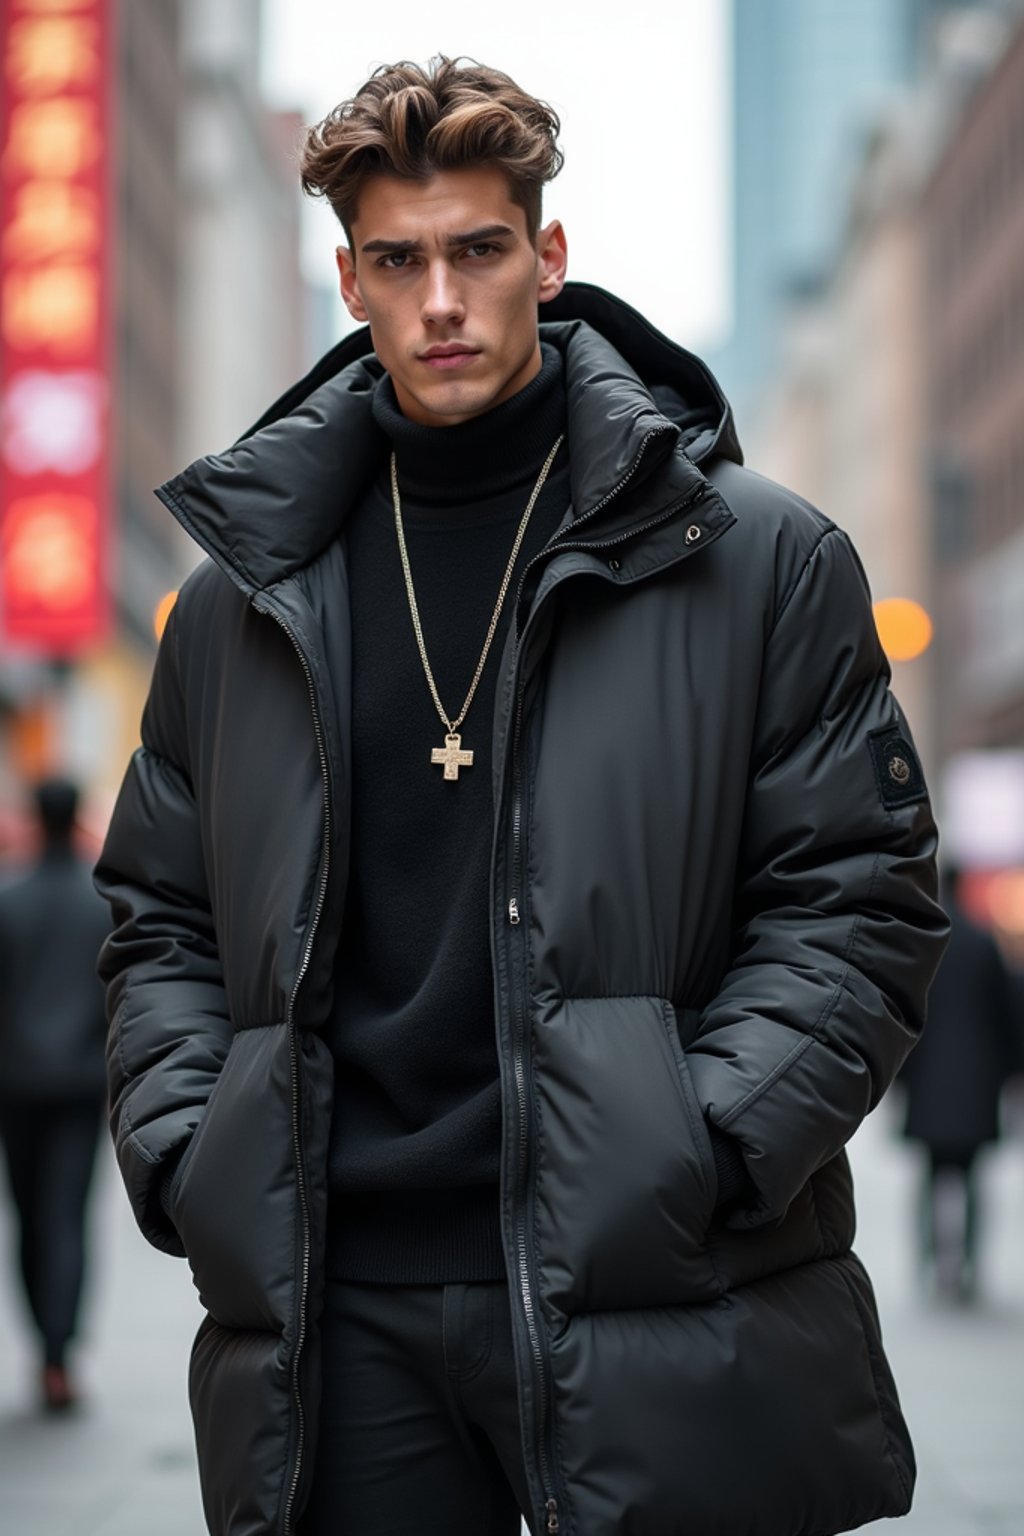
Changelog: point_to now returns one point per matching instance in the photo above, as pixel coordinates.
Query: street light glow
(904, 628)
(162, 613)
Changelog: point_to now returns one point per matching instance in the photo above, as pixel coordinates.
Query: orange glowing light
(50, 550)
(1006, 900)
(52, 6)
(904, 628)
(52, 218)
(52, 53)
(163, 613)
(56, 306)
(59, 137)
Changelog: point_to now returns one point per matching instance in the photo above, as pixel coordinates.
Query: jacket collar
(279, 497)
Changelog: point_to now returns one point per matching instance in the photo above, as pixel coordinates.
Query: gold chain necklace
(451, 756)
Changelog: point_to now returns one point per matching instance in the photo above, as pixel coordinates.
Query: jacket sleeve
(169, 1028)
(837, 931)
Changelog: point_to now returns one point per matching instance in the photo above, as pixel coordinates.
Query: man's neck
(495, 451)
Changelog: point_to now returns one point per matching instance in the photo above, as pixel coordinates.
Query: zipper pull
(513, 912)
(552, 1512)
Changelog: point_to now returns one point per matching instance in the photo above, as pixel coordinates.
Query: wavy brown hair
(413, 121)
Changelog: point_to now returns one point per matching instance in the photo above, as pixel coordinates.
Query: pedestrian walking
(953, 1086)
(52, 1073)
(523, 890)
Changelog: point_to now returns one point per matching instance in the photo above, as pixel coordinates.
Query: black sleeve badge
(897, 770)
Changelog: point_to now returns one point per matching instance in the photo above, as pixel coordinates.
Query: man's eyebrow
(390, 246)
(413, 247)
(476, 236)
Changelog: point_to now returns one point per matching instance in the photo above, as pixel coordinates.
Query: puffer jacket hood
(712, 908)
(301, 467)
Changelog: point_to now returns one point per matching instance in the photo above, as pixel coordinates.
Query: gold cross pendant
(452, 756)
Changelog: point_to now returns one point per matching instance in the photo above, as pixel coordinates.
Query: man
(953, 1087)
(524, 889)
(52, 1078)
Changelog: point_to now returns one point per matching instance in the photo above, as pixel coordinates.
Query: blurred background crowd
(865, 168)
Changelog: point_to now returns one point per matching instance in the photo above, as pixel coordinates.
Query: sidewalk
(960, 1372)
(126, 1466)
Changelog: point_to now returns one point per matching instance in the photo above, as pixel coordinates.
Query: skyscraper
(808, 79)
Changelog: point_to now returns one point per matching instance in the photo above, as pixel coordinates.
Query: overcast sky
(642, 94)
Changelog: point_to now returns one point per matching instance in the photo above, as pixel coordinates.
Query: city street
(124, 1465)
(750, 273)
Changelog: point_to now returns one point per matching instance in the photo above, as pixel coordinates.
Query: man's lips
(448, 357)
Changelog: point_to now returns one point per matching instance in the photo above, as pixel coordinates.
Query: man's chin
(449, 404)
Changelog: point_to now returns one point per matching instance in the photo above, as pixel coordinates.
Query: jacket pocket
(695, 1115)
(232, 1198)
(173, 1194)
(625, 1181)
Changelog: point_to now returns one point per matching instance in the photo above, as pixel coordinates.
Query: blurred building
(150, 210)
(244, 318)
(208, 320)
(810, 78)
(974, 234)
(846, 423)
(95, 718)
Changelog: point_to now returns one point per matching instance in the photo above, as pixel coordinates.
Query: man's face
(446, 275)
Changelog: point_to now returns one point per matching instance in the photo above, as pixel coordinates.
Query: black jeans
(419, 1424)
(50, 1151)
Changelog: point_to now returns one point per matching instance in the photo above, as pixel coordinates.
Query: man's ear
(553, 256)
(350, 284)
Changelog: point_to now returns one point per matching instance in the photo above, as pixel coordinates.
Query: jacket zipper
(555, 546)
(544, 1426)
(517, 811)
(325, 860)
(545, 1452)
(560, 543)
(627, 477)
(624, 538)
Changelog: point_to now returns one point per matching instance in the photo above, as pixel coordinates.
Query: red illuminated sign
(55, 163)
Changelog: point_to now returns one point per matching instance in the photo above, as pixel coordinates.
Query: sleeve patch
(897, 769)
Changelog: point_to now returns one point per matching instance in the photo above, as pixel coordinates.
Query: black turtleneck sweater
(416, 1134)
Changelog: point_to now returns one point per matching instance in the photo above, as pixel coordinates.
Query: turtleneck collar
(495, 452)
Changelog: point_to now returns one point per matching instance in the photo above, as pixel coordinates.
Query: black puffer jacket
(712, 896)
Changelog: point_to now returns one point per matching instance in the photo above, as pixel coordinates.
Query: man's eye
(485, 248)
(396, 260)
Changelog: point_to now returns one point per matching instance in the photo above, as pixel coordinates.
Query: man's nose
(442, 303)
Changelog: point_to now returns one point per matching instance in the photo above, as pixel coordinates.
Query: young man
(523, 891)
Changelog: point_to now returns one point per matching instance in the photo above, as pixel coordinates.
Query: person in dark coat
(488, 1021)
(953, 1083)
(52, 1073)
